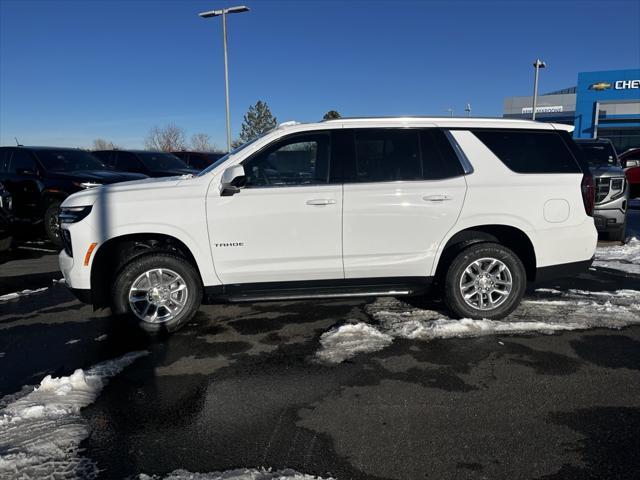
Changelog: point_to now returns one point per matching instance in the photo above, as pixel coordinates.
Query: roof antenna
(18, 144)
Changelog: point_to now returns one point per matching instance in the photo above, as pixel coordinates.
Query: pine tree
(331, 115)
(257, 121)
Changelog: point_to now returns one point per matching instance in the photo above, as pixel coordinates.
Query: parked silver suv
(612, 189)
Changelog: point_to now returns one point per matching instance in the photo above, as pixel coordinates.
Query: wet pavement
(242, 386)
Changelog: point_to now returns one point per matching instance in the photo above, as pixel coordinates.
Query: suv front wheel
(485, 280)
(160, 292)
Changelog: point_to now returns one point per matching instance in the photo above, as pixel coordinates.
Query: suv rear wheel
(485, 280)
(159, 292)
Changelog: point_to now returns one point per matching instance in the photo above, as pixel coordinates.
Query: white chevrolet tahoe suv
(341, 208)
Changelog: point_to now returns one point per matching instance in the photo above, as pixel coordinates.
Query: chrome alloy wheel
(158, 295)
(486, 284)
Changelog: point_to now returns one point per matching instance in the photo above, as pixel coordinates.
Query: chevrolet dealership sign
(626, 84)
(551, 109)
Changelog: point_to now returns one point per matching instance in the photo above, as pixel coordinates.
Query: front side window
(5, 156)
(297, 160)
(530, 151)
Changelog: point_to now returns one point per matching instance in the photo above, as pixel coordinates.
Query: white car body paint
(335, 231)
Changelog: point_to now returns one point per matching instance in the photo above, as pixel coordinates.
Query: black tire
(138, 266)
(51, 224)
(452, 293)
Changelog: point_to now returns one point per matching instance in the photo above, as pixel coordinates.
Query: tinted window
(128, 162)
(69, 160)
(526, 151)
(384, 155)
(298, 160)
(599, 154)
(159, 161)
(198, 161)
(21, 161)
(5, 156)
(106, 157)
(439, 160)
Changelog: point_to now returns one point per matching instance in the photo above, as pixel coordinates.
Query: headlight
(73, 214)
(87, 184)
(617, 184)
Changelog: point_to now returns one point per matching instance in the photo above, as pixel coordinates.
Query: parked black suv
(6, 220)
(153, 164)
(40, 178)
(198, 160)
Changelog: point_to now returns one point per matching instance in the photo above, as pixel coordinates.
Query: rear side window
(22, 162)
(526, 151)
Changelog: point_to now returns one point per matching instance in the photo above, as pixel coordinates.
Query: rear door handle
(437, 198)
(321, 201)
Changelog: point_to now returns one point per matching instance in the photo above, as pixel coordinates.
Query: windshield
(69, 160)
(224, 158)
(157, 161)
(599, 154)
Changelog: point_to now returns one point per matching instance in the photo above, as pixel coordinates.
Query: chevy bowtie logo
(600, 86)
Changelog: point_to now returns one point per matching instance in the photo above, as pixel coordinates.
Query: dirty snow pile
(41, 428)
(547, 311)
(240, 474)
(624, 257)
(23, 293)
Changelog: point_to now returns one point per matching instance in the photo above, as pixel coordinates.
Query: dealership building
(603, 104)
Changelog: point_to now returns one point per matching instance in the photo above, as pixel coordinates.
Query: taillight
(588, 193)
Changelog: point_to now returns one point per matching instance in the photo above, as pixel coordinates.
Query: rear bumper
(551, 272)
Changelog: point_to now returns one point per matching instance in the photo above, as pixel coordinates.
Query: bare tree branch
(169, 138)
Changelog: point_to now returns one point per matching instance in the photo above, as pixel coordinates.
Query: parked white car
(341, 208)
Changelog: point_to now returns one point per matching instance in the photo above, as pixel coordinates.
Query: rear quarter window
(527, 151)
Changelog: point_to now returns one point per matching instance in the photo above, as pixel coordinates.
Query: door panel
(394, 229)
(286, 223)
(276, 234)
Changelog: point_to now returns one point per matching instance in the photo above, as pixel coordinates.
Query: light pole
(216, 13)
(537, 65)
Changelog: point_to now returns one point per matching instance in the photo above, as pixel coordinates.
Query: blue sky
(72, 71)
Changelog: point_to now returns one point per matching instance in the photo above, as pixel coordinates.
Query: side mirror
(232, 179)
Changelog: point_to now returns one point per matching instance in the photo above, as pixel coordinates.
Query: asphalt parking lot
(359, 389)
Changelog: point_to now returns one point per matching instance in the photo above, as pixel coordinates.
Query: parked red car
(631, 163)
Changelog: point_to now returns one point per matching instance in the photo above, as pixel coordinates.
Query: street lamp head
(539, 64)
(217, 13)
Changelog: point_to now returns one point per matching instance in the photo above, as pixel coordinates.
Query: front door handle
(321, 201)
(437, 198)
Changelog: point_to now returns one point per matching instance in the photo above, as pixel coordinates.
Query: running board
(349, 288)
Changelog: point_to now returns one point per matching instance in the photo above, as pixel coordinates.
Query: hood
(143, 188)
(98, 176)
(607, 171)
(174, 172)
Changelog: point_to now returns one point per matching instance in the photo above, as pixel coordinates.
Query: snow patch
(23, 293)
(622, 257)
(72, 341)
(348, 340)
(240, 474)
(101, 338)
(41, 428)
(547, 311)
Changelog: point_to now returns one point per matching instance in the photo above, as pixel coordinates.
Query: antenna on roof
(18, 144)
